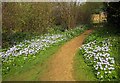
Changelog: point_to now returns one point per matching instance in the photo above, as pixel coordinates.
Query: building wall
(98, 18)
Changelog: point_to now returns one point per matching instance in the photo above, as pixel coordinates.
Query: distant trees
(24, 17)
(43, 16)
(38, 17)
(67, 14)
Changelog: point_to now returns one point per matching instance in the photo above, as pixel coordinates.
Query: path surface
(60, 67)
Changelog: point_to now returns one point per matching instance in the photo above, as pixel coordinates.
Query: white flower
(104, 68)
(98, 73)
(101, 76)
(96, 68)
(106, 72)
(112, 61)
(109, 71)
(101, 67)
(101, 58)
(111, 68)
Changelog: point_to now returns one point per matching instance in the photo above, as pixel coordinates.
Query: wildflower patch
(27, 51)
(96, 54)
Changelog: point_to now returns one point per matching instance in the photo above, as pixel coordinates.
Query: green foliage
(27, 65)
(55, 29)
(41, 18)
(14, 63)
(99, 35)
(13, 39)
(81, 70)
(113, 13)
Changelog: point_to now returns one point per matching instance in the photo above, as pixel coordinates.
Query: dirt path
(60, 67)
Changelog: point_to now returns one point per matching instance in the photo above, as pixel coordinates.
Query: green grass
(35, 68)
(113, 34)
(82, 72)
(115, 51)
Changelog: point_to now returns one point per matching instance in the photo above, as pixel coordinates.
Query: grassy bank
(100, 52)
(82, 72)
(33, 55)
(34, 68)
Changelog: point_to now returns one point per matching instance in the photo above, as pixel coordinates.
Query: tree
(113, 13)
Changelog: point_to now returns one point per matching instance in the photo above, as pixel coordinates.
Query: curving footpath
(60, 66)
